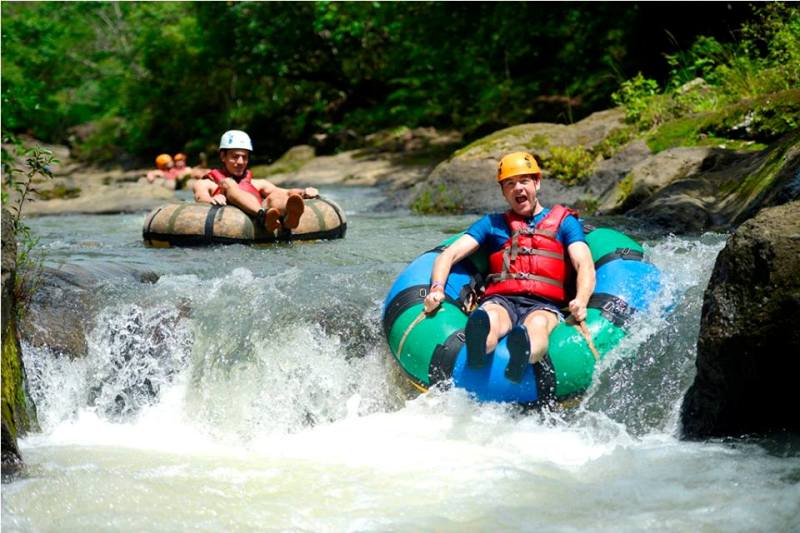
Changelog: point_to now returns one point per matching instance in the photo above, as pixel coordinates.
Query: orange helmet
(180, 157)
(163, 161)
(517, 164)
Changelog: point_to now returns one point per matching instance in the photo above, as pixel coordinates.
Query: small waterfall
(245, 366)
(133, 353)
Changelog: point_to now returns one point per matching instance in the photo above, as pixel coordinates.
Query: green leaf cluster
(21, 166)
(718, 91)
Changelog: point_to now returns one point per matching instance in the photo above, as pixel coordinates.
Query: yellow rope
(586, 335)
(411, 326)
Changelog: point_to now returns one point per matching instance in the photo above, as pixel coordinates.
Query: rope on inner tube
(586, 335)
(411, 326)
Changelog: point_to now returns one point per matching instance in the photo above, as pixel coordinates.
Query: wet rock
(726, 189)
(63, 307)
(465, 182)
(747, 362)
(104, 199)
(18, 413)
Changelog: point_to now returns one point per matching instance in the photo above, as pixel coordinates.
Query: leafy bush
(710, 75)
(569, 164)
(17, 186)
(635, 95)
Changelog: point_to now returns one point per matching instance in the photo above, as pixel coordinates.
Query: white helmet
(234, 139)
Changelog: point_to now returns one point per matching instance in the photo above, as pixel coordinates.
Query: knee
(538, 324)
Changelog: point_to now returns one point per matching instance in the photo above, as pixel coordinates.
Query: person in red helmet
(234, 184)
(535, 255)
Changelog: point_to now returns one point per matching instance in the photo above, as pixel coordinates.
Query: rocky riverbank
(599, 165)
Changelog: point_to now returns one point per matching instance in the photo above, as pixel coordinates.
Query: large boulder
(18, 415)
(465, 181)
(747, 351)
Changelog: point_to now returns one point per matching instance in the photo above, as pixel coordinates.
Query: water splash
(641, 382)
(133, 353)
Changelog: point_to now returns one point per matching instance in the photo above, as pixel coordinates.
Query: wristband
(437, 286)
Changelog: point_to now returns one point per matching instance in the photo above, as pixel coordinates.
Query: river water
(252, 389)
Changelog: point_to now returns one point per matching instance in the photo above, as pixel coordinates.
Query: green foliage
(569, 164)
(168, 76)
(152, 77)
(712, 78)
(624, 188)
(635, 95)
(615, 140)
(436, 200)
(17, 187)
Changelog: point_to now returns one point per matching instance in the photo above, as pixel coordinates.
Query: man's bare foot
(294, 210)
(272, 220)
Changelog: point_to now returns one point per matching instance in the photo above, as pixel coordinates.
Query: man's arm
(458, 250)
(581, 258)
(202, 192)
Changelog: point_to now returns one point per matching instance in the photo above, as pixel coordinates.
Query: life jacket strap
(495, 278)
(535, 251)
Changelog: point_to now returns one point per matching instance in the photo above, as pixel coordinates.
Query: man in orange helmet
(535, 255)
(165, 171)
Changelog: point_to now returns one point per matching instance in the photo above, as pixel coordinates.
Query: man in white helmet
(234, 184)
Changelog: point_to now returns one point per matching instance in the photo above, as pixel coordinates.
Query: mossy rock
(62, 192)
(728, 188)
(746, 125)
(763, 119)
(18, 416)
(469, 173)
(537, 138)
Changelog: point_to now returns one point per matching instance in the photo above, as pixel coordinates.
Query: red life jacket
(246, 183)
(532, 261)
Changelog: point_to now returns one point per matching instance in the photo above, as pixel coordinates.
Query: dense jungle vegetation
(122, 81)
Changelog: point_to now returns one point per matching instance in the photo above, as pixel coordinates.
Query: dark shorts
(519, 307)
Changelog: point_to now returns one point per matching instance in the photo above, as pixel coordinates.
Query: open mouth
(520, 199)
